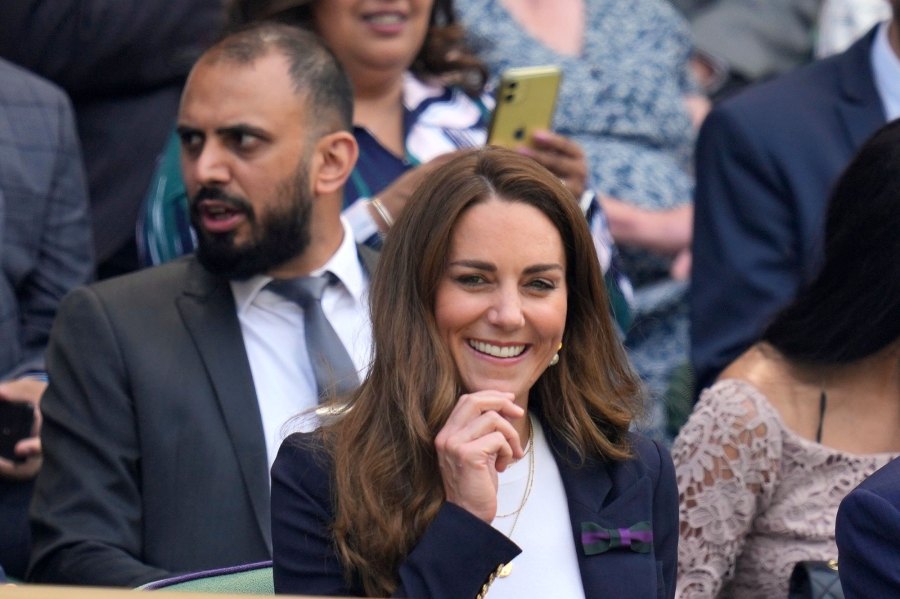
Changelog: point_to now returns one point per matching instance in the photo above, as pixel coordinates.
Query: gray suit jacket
(155, 461)
(44, 228)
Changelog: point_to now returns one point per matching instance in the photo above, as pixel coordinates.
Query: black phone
(16, 423)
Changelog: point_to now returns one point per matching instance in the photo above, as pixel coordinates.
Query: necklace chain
(506, 569)
(529, 451)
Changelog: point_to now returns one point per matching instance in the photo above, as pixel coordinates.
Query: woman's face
(373, 34)
(501, 305)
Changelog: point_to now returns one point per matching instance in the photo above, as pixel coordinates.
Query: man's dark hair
(313, 69)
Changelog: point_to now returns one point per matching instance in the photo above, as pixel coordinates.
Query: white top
(273, 332)
(886, 67)
(548, 564)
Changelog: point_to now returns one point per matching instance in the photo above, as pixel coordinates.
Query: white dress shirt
(886, 67)
(273, 331)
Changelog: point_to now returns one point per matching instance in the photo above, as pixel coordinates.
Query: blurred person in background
(766, 162)
(805, 414)
(123, 65)
(45, 248)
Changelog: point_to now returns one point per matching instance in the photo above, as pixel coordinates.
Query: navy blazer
(458, 552)
(766, 160)
(868, 536)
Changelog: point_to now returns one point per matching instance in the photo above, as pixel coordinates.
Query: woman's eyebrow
(480, 265)
(487, 266)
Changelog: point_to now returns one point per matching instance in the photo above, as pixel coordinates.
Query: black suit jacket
(458, 551)
(155, 461)
(766, 161)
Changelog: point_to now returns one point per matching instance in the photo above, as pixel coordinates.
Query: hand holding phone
(16, 424)
(526, 100)
(20, 425)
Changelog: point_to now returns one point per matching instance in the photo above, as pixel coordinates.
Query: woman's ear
(336, 155)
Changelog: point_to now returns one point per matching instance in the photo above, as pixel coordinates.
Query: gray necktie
(334, 370)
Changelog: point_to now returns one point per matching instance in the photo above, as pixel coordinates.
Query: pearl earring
(555, 359)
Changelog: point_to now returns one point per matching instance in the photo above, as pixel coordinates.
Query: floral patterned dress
(755, 497)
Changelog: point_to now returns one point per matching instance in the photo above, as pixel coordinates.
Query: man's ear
(336, 155)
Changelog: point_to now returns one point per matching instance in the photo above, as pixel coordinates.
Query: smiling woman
(418, 486)
(501, 306)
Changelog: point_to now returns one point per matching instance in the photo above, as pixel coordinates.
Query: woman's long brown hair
(387, 485)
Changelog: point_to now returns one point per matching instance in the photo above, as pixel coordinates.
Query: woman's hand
(666, 232)
(476, 443)
(562, 157)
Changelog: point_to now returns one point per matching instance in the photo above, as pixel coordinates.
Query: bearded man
(170, 387)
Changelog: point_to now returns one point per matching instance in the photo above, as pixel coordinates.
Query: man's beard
(276, 236)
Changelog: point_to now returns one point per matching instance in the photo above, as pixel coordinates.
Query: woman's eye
(542, 284)
(470, 280)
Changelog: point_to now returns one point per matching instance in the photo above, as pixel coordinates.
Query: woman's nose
(506, 311)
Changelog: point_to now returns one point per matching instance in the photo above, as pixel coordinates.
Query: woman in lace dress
(808, 412)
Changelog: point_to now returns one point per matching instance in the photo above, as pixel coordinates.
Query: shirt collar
(432, 104)
(416, 91)
(344, 264)
(886, 68)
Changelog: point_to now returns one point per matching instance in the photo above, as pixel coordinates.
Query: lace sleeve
(726, 461)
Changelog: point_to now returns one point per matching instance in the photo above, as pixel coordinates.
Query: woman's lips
(386, 23)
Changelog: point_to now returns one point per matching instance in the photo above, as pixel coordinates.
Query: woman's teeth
(507, 351)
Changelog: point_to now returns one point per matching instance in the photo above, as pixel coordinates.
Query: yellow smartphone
(526, 99)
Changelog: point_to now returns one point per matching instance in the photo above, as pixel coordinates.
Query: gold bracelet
(382, 212)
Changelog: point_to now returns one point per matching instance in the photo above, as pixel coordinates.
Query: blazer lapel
(586, 488)
(619, 572)
(860, 108)
(208, 310)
